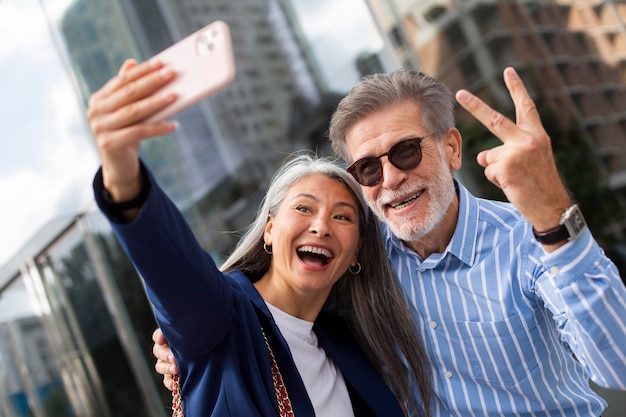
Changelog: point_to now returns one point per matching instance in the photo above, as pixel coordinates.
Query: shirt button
(433, 324)
(554, 270)
(448, 374)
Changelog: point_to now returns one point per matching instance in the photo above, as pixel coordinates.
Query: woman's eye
(303, 209)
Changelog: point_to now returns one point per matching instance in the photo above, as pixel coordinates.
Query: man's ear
(453, 148)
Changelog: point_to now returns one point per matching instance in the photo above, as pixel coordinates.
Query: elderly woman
(305, 317)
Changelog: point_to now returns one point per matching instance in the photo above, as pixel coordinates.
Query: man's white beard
(418, 224)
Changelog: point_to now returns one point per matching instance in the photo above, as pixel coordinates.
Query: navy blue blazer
(213, 324)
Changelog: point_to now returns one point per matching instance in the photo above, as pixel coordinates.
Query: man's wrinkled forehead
(381, 129)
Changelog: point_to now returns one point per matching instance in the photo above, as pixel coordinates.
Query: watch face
(575, 223)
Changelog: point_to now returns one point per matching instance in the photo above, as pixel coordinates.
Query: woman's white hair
(372, 301)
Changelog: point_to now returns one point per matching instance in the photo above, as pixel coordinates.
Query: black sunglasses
(404, 155)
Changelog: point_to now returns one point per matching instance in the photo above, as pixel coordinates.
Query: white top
(322, 380)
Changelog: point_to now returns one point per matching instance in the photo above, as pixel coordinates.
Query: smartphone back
(204, 64)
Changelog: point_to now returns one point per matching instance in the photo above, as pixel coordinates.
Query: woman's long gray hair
(372, 301)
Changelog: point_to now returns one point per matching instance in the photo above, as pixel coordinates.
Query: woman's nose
(319, 226)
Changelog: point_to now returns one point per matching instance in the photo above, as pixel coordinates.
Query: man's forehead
(382, 129)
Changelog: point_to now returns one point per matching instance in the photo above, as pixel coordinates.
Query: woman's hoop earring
(269, 251)
(358, 268)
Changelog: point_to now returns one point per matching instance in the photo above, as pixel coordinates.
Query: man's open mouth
(405, 203)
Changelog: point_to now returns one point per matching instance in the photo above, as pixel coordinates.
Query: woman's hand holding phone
(117, 115)
(133, 105)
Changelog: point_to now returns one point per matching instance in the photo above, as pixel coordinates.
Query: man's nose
(392, 176)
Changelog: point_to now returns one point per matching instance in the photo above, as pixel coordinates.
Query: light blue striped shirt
(501, 318)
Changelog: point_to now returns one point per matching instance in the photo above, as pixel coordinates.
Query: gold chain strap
(177, 399)
(284, 403)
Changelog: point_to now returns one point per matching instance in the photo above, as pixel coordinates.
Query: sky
(47, 157)
(335, 39)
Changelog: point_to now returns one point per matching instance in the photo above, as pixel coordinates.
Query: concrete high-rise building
(571, 53)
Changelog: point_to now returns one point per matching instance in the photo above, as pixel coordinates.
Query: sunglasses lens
(367, 171)
(406, 155)
(403, 155)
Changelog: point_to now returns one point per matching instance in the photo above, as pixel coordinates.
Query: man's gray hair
(379, 91)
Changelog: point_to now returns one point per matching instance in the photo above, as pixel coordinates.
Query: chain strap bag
(177, 398)
(284, 403)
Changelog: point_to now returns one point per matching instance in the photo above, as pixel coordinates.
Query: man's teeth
(316, 251)
(405, 203)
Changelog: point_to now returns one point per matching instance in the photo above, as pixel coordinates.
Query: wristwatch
(571, 226)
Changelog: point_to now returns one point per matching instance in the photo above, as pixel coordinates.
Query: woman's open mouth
(314, 255)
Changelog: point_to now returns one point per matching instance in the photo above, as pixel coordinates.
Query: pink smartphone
(204, 64)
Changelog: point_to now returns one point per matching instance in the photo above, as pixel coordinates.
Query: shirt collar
(463, 242)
